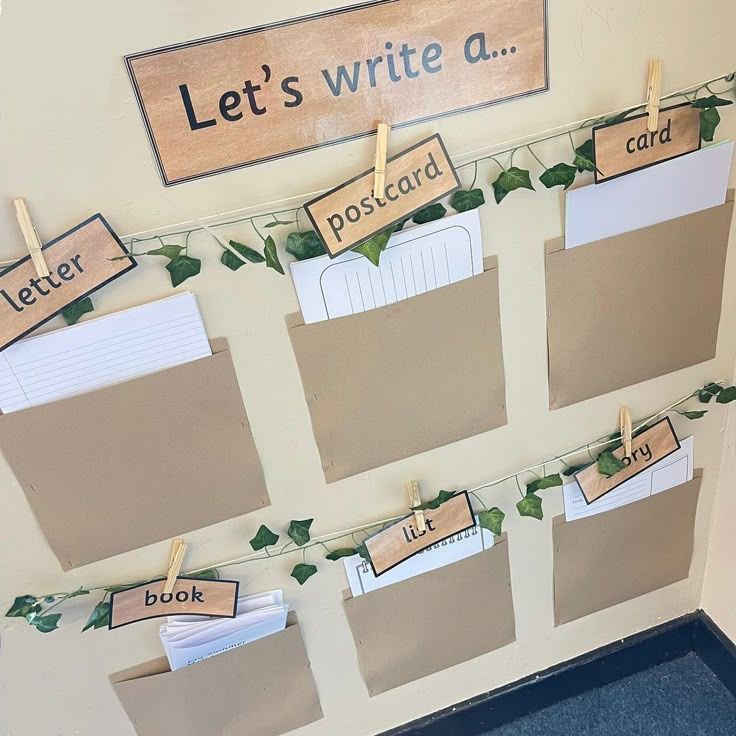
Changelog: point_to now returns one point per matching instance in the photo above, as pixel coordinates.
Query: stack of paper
(455, 548)
(669, 472)
(101, 352)
(190, 639)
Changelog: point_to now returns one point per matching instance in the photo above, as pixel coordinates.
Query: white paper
(663, 192)
(415, 261)
(101, 352)
(190, 639)
(667, 473)
(458, 547)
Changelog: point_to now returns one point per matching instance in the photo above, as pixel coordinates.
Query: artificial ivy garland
(37, 610)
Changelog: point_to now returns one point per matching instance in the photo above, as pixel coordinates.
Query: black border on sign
(648, 429)
(25, 259)
(236, 583)
(369, 172)
(646, 166)
(431, 544)
(292, 21)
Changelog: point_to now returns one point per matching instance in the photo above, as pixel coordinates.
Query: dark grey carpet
(679, 698)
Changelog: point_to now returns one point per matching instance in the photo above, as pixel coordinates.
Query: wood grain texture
(300, 52)
(191, 597)
(79, 263)
(349, 215)
(646, 449)
(402, 541)
(678, 134)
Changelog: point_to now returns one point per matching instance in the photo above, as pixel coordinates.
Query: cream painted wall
(72, 142)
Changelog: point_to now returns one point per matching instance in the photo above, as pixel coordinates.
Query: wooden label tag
(403, 540)
(255, 95)
(216, 598)
(79, 264)
(647, 448)
(348, 215)
(621, 148)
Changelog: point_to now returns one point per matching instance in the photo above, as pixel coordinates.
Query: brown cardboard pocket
(430, 622)
(635, 306)
(610, 558)
(129, 465)
(392, 382)
(264, 688)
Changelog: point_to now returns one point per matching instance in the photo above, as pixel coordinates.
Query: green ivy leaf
(492, 520)
(430, 214)
(708, 392)
(549, 481)
(172, 252)
(692, 414)
(183, 268)
(585, 157)
(264, 538)
(560, 175)
(400, 226)
(305, 245)
(574, 469)
(709, 120)
(276, 223)
(362, 550)
(342, 552)
(233, 262)
(299, 531)
(468, 199)
(609, 464)
(509, 181)
(22, 605)
(272, 256)
(531, 505)
(99, 617)
(211, 574)
(302, 572)
(46, 624)
(435, 503)
(73, 312)
(373, 248)
(705, 102)
(727, 395)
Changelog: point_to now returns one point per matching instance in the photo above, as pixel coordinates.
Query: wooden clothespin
(30, 235)
(178, 550)
(654, 94)
(379, 179)
(624, 420)
(412, 488)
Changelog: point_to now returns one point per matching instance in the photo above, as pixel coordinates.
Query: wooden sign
(79, 264)
(255, 95)
(403, 540)
(349, 215)
(621, 148)
(216, 598)
(647, 448)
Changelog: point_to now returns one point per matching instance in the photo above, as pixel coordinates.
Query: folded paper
(634, 306)
(433, 621)
(264, 688)
(603, 560)
(399, 380)
(135, 463)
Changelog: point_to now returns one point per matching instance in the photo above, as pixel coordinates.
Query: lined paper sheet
(669, 472)
(415, 261)
(101, 352)
(455, 548)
